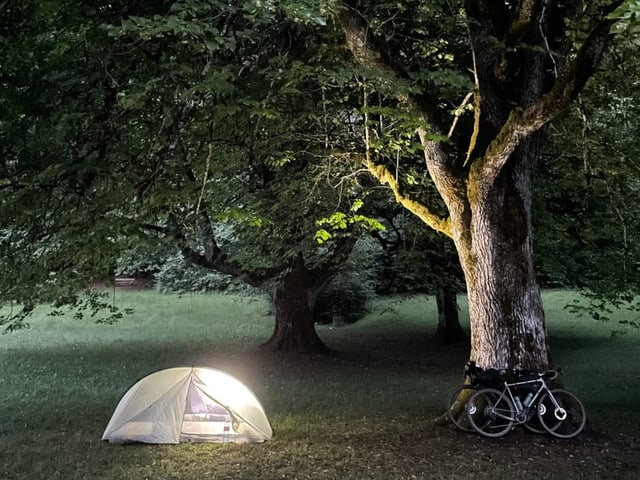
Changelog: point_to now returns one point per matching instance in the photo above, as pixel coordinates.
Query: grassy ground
(366, 413)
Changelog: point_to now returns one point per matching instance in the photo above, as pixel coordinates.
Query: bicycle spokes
(561, 413)
(456, 410)
(490, 413)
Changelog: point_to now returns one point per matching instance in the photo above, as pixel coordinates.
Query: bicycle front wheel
(490, 412)
(456, 407)
(561, 413)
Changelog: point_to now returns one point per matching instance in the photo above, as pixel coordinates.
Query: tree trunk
(294, 300)
(449, 328)
(495, 248)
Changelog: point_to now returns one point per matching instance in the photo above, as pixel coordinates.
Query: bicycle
(493, 413)
(475, 379)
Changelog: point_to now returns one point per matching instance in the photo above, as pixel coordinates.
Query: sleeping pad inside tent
(188, 404)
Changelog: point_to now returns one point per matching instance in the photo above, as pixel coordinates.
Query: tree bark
(295, 298)
(494, 243)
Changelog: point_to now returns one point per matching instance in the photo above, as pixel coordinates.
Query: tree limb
(527, 14)
(356, 41)
(384, 176)
(214, 258)
(524, 122)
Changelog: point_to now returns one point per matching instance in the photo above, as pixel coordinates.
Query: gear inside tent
(188, 404)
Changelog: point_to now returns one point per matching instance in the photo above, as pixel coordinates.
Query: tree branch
(526, 16)
(524, 122)
(384, 176)
(214, 258)
(356, 41)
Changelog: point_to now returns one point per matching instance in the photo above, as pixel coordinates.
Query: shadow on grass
(363, 413)
(79, 386)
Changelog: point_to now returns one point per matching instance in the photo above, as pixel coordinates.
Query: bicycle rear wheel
(564, 418)
(490, 412)
(457, 407)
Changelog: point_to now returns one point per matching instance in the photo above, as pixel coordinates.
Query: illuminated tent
(188, 404)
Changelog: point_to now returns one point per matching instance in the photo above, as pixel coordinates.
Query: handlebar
(550, 374)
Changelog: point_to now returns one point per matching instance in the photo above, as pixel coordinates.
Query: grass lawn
(366, 413)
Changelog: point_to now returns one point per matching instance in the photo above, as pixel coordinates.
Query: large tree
(191, 123)
(526, 62)
(108, 136)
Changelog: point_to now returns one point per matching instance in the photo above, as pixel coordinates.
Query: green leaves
(450, 82)
(210, 38)
(305, 12)
(341, 223)
(627, 18)
(202, 25)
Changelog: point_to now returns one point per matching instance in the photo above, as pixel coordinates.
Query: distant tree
(416, 259)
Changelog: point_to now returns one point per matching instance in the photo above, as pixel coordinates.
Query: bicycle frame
(523, 412)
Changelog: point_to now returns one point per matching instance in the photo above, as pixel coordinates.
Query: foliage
(191, 123)
(176, 275)
(627, 18)
(347, 297)
(55, 109)
(340, 222)
(586, 220)
(414, 258)
(95, 302)
(143, 260)
(344, 300)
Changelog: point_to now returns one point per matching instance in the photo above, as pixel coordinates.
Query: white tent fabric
(188, 404)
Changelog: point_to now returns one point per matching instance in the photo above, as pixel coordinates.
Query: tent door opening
(204, 418)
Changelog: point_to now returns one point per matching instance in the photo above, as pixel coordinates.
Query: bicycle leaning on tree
(493, 412)
(477, 378)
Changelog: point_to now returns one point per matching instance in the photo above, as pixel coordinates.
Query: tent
(188, 404)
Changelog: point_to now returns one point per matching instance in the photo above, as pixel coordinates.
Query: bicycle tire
(490, 412)
(533, 421)
(567, 422)
(457, 407)
(534, 425)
